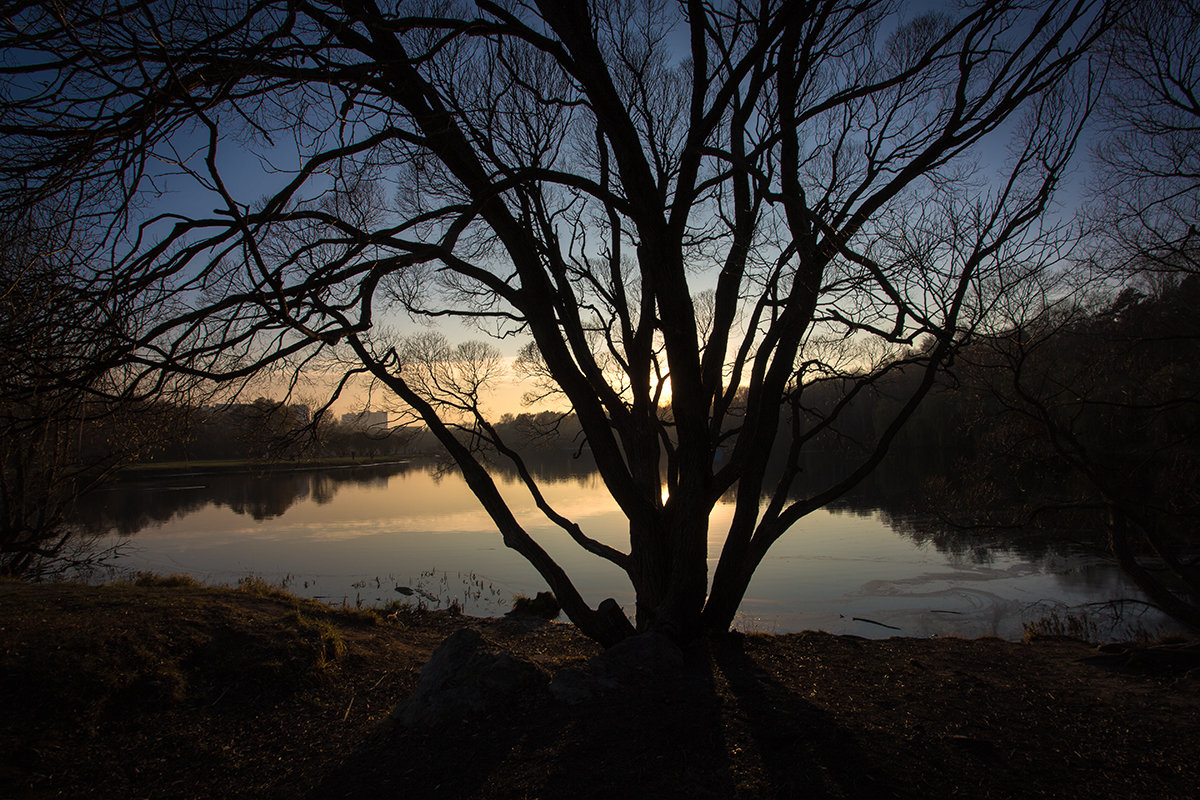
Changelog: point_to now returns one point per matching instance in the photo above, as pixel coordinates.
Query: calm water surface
(354, 535)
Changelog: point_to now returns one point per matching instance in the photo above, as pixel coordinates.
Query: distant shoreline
(179, 469)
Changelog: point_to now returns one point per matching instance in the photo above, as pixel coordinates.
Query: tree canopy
(690, 213)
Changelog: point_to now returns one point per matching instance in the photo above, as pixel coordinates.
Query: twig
(873, 622)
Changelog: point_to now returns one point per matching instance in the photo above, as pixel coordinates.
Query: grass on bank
(163, 686)
(187, 643)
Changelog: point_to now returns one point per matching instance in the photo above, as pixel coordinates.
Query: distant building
(372, 421)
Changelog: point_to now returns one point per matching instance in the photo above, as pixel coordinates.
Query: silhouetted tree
(63, 425)
(691, 211)
(1147, 194)
(1101, 394)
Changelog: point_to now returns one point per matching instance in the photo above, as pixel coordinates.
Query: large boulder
(466, 677)
(631, 663)
(638, 659)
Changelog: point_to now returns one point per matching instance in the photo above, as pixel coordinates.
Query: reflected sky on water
(355, 534)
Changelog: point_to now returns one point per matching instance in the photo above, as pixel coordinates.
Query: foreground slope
(170, 689)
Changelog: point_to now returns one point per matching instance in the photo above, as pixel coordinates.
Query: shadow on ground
(721, 728)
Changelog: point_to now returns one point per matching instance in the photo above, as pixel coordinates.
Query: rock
(468, 676)
(637, 659)
(573, 686)
(544, 606)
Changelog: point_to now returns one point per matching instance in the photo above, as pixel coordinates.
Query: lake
(353, 535)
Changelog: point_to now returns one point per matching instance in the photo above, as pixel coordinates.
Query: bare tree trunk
(730, 582)
(669, 571)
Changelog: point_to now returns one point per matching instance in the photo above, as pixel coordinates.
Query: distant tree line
(1091, 414)
(270, 430)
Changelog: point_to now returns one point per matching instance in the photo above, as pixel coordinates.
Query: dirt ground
(173, 690)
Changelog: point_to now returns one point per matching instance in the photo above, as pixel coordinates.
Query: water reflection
(132, 505)
(899, 493)
(870, 566)
(981, 544)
